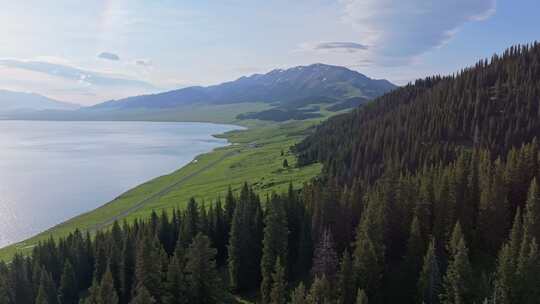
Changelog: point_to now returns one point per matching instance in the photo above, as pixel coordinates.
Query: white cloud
(108, 56)
(399, 31)
(68, 83)
(143, 62)
(350, 47)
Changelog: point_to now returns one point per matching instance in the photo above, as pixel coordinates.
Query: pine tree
(361, 297)
(279, 284)
(245, 240)
(202, 276)
(142, 296)
(325, 260)
(47, 290)
(531, 218)
(346, 280)
(274, 243)
(93, 294)
(416, 248)
(107, 291)
(285, 163)
(191, 222)
(176, 283)
(320, 292)
(368, 256)
(147, 273)
(430, 280)
(458, 279)
(298, 295)
(68, 291)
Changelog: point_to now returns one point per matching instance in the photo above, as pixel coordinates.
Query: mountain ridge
(277, 86)
(11, 101)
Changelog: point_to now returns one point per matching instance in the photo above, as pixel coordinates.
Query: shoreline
(221, 135)
(205, 179)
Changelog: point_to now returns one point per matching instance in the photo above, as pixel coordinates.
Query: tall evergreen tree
(361, 297)
(298, 295)
(458, 279)
(346, 280)
(279, 284)
(142, 296)
(68, 291)
(47, 290)
(325, 259)
(274, 243)
(203, 279)
(430, 280)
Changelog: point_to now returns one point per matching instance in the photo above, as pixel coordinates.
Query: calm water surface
(51, 171)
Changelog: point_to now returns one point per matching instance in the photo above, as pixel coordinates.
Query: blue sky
(90, 51)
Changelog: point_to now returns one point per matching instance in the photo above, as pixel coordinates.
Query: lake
(52, 171)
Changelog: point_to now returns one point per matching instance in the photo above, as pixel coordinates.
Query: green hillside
(255, 155)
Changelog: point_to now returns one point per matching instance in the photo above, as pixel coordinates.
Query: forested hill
(430, 195)
(277, 86)
(493, 105)
(440, 179)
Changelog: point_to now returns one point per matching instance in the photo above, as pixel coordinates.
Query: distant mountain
(278, 87)
(11, 101)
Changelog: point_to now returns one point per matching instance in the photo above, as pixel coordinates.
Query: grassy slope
(254, 156)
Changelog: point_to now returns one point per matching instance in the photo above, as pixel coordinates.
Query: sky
(87, 52)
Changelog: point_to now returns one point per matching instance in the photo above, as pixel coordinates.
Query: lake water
(52, 171)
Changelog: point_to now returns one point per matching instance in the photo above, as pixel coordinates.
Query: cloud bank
(394, 33)
(342, 46)
(68, 83)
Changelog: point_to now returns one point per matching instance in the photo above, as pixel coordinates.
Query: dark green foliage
(143, 297)
(245, 240)
(68, 290)
(320, 292)
(298, 295)
(279, 284)
(47, 290)
(429, 283)
(361, 297)
(274, 244)
(202, 277)
(449, 159)
(457, 282)
(325, 260)
(346, 280)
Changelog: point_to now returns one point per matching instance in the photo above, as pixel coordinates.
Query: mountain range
(295, 93)
(278, 86)
(19, 101)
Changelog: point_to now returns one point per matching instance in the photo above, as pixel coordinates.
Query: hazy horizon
(90, 52)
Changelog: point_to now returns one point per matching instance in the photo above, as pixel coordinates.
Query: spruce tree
(245, 242)
(531, 217)
(320, 292)
(361, 297)
(458, 278)
(298, 295)
(279, 284)
(202, 276)
(107, 291)
(430, 281)
(325, 260)
(176, 286)
(147, 272)
(68, 291)
(47, 290)
(274, 243)
(142, 296)
(346, 280)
